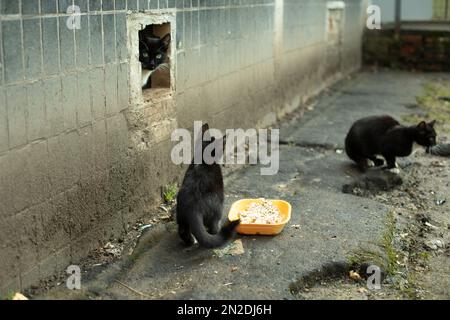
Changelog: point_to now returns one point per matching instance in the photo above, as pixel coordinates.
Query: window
(151, 55)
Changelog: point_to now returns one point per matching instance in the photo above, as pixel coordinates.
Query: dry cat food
(261, 212)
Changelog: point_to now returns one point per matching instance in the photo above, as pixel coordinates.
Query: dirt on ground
(421, 240)
(416, 244)
(421, 237)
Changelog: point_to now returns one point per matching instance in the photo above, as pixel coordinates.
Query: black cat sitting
(385, 136)
(200, 204)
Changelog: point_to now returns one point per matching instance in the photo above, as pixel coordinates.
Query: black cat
(152, 53)
(200, 204)
(383, 135)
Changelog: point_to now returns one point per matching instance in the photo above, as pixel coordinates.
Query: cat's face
(426, 135)
(153, 51)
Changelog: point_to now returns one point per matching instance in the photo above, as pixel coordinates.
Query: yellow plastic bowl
(262, 229)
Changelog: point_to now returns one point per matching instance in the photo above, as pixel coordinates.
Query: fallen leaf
(19, 296)
(233, 249)
(354, 275)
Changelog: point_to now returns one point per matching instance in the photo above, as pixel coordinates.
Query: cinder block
(36, 116)
(4, 189)
(109, 38)
(180, 74)
(67, 45)
(16, 178)
(162, 4)
(69, 101)
(9, 7)
(51, 265)
(97, 87)
(50, 45)
(63, 5)
(180, 30)
(48, 6)
(205, 33)
(82, 43)
(117, 139)
(102, 201)
(122, 87)
(180, 4)
(95, 44)
(195, 41)
(83, 4)
(187, 29)
(100, 150)
(53, 231)
(64, 161)
(188, 4)
(84, 113)
(9, 277)
(95, 5)
(87, 155)
(32, 48)
(171, 4)
(93, 239)
(16, 105)
(23, 226)
(30, 6)
(53, 105)
(132, 5)
(4, 143)
(12, 51)
(77, 214)
(108, 5)
(121, 37)
(143, 5)
(38, 168)
(120, 5)
(111, 89)
(153, 4)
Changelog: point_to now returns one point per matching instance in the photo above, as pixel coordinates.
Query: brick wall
(80, 160)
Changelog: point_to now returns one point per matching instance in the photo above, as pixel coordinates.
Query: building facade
(84, 151)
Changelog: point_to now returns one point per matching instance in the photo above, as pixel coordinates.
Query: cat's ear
(205, 127)
(166, 40)
(422, 125)
(432, 123)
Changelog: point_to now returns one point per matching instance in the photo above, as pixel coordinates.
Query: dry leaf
(19, 296)
(354, 275)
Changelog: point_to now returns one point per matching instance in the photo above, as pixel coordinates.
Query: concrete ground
(327, 227)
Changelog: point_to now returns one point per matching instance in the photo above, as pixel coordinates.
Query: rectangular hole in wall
(155, 59)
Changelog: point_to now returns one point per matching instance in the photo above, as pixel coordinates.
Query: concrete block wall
(79, 162)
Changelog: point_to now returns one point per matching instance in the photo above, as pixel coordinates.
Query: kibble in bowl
(260, 216)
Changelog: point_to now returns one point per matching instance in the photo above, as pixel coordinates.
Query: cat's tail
(207, 240)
